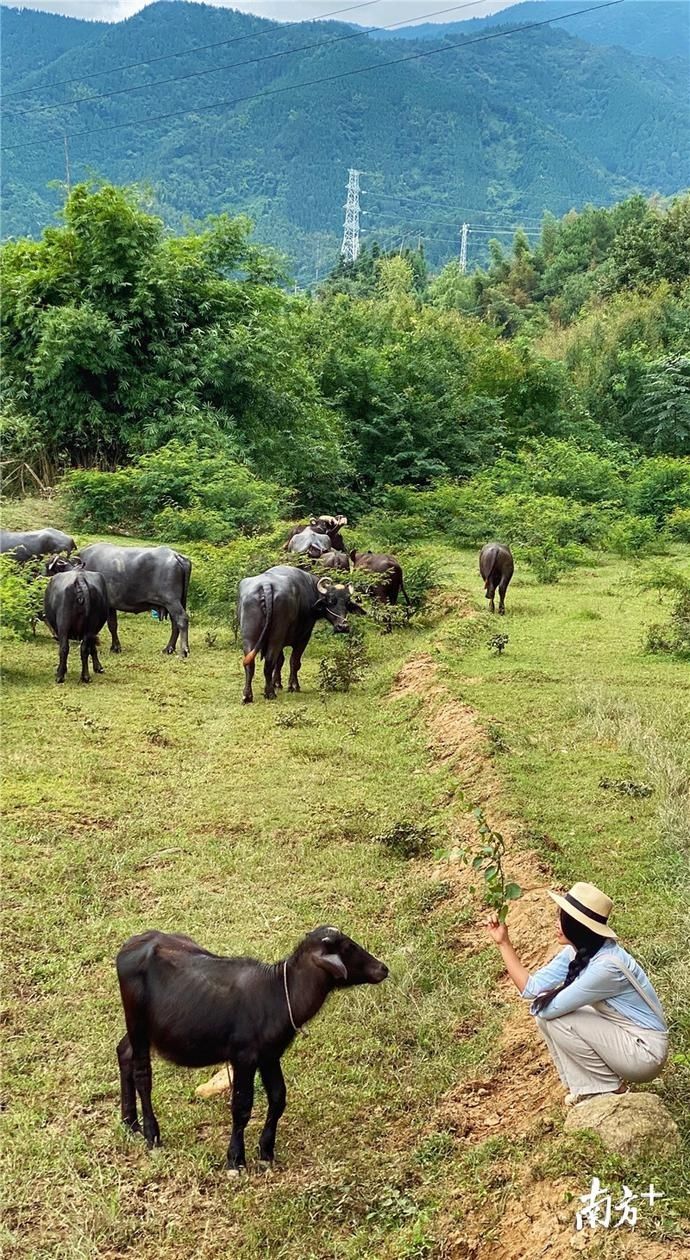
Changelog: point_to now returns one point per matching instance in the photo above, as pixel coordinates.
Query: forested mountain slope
(32, 40)
(651, 28)
(509, 127)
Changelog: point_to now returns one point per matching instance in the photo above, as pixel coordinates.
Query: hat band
(591, 914)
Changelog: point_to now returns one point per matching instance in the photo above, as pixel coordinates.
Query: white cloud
(374, 14)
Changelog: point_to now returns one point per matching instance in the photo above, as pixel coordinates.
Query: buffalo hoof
(270, 695)
(132, 1126)
(236, 1173)
(116, 649)
(168, 651)
(60, 680)
(501, 612)
(98, 669)
(266, 1167)
(85, 680)
(247, 699)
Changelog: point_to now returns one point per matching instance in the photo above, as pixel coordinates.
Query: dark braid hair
(587, 943)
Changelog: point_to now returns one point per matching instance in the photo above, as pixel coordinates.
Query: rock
(626, 1123)
(218, 1084)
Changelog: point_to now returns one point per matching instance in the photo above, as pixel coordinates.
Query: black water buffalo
(35, 543)
(388, 570)
(197, 1008)
(496, 567)
(330, 525)
(279, 609)
(334, 560)
(309, 543)
(140, 579)
(75, 606)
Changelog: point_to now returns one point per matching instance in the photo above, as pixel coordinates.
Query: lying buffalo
(309, 543)
(75, 606)
(279, 609)
(335, 560)
(496, 567)
(35, 543)
(330, 525)
(140, 579)
(389, 572)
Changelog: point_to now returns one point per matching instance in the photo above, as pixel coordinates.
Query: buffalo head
(336, 602)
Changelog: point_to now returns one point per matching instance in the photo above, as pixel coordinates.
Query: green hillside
(651, 28)
(508, 127)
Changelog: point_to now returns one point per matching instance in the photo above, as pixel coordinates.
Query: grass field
(152, 798)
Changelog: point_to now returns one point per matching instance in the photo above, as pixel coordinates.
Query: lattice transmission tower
(350, 246)
(463, 247)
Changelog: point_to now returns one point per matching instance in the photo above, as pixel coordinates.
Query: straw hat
(588, 905)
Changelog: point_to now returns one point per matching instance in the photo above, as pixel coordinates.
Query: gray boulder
(626, 1123)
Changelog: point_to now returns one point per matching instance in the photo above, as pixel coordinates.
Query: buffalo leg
(277, 680)
(84, 651)
(143, 1080)
(62, 659)
(269, 670)
(274, 1084)
(247, 693)
(115, 645)
(295, 663)
(502, 588)
(180, 629)
(490, 592)
(97, 667)
(242, 1103)
(128, 1093)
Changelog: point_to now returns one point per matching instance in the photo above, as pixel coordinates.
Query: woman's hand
(497, 931)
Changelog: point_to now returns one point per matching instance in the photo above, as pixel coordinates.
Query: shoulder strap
(651, 1001)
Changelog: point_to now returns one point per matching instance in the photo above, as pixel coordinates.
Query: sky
(375, 14)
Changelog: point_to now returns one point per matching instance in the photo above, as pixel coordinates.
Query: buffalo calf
(75, 606)
(198, 1009)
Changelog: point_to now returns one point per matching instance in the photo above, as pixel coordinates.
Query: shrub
(631, 535)
(217, 571)
(678, 524)
(346, 663)
(674, 637)
(548, 561)
(210, 494)
(658, 487)
(21, 596)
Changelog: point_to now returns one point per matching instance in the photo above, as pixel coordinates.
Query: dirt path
(519, 1095)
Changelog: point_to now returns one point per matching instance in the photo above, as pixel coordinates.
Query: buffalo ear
(353, 555)
(319, 606)
(333, 964)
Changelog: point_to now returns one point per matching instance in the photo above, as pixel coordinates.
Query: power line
(236, 65)
(404, 218)
(331, 78)
(444, 205)
(274, 29)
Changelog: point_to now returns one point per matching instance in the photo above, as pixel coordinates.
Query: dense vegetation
(186, 395)
(442, 138)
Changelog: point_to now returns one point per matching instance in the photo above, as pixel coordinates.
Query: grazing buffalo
(496, 567)
(279, 609)
(335, 560)
(388, 570)
(197, 1008)
(140, 579)
(309, 543)
(35, 543)
(75, 606)
(330, 525)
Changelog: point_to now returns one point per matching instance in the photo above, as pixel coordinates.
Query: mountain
(494, 133)
(650, 28)
(32, 40)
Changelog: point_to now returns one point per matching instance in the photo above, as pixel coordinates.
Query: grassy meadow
(153, 798)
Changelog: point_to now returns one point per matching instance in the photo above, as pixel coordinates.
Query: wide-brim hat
(589, 905)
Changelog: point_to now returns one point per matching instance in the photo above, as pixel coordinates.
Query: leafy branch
(498, 891)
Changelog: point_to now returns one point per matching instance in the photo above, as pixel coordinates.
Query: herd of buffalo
(198, 1009)
(275, 610)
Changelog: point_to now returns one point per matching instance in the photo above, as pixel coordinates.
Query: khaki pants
(595, 1049)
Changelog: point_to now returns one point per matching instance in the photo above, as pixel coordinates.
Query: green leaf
(511, 892)
(490, 873)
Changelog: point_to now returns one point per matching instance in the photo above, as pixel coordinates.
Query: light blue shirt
(601, 981)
